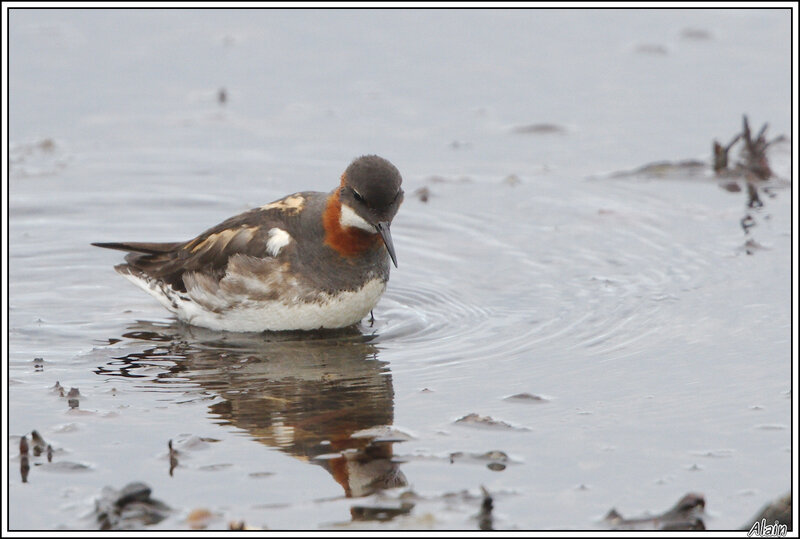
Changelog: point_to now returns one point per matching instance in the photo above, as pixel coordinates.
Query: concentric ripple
(528, 268)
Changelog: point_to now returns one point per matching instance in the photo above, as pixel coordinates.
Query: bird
(308, 261)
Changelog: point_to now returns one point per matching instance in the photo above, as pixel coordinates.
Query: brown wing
(209, 253)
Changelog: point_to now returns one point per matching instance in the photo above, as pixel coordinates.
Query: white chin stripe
(351, 218)
(278, 239)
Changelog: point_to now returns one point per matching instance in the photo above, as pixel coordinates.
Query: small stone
(24, 468)
(485, 421)
(68, 467)
(133, 492)
(47, 145)
(423, 194)
(538, 129)
(697, 34)
(652, 48)
(38, 443)
(495, 455)
(199, 519)
(58, 389)
(526, 397)
(768, 426)
(259, 475)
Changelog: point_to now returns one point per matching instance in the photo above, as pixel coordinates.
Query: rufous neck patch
(347, 241)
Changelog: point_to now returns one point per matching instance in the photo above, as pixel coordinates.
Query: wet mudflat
(585, 316)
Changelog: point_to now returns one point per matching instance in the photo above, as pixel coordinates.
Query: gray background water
(629, 303)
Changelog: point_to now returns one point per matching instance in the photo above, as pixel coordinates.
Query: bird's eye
(357, 196)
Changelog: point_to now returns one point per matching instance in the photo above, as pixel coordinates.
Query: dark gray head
(371, 189)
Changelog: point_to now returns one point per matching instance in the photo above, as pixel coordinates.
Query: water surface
(653, 327)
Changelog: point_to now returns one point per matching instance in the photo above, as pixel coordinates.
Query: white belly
(345, 309)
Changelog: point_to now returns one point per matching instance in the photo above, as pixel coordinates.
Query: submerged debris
(37, 158)
(442, 179)
(495, 460)
(485, 520)
(753, 200)
(240, 525)
(192, 442)
(24, 463)
(777, 513)
(538, 129)
(752, 164)
(526, 397)
(58, 389)
(458, 144)
(73, 398)
(38, 444)
(383, 433)
(696, 34)
(423, 194)
(752, 167)
(130, 508)
(665, 169)
(486, 421)
(37, 447)
(69, 467)
(754, 154)
(199, 519)
(682, 516)
(721, 155)
(24, 467)
(652, 48)
(173, 458)
(380, 513)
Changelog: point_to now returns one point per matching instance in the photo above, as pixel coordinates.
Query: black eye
(357, 196)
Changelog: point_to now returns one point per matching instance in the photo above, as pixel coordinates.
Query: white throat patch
(350, 218)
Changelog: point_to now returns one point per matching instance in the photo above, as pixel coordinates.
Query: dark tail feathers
(139, 247)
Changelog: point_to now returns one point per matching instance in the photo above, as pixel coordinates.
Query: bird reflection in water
(321, 397)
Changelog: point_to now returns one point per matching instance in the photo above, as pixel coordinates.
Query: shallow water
(657, 338)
